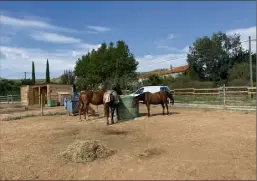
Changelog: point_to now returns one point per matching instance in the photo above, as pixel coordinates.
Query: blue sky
(158, 33)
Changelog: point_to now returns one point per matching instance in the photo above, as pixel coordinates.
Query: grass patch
(238, 100)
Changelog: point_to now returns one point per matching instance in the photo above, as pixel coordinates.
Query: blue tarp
(71, 105)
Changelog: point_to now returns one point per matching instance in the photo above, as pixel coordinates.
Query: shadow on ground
(157, 114)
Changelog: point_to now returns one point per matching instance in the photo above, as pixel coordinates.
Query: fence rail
(10, 99)
(228, 90)
(242, 97)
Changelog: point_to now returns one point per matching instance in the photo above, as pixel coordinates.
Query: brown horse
(160, 97)
(89, 97)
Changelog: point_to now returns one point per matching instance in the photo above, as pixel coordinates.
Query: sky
(157, 33)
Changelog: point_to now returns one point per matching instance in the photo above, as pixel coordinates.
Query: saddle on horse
(108, 95)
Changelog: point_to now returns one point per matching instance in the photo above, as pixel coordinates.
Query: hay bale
(103, 152)
(82, 151)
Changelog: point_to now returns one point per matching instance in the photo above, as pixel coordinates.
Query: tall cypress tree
(47, 72)
(33, 73)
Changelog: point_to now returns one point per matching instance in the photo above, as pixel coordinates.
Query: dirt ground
(16, 110)
(189, 144)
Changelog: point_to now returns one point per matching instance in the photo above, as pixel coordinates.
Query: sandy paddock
(189, 144)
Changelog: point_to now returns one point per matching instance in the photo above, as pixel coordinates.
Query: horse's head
(145, 97)
(170, 96)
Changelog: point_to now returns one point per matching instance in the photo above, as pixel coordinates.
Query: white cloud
(98, 29)
(54, 38)
(13, 57)
(87, 46)
(16, 59)
(148, 57)
(174, 49)
(245, 33)
(31, 23)
(171, 36)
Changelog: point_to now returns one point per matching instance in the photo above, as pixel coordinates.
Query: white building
(174, 72)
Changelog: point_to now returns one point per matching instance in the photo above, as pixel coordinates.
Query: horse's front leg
(148, 108)
(86, 117)
(112, 112)
(167, 107)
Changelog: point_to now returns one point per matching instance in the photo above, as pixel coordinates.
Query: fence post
(194, 93)
(224, 96)
(249, 92)
(41, 104)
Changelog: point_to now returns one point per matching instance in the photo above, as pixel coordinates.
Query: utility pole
(25, 74)
(250, 61)
(117, 64)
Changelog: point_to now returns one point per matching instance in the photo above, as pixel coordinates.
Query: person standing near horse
(111, 101)
(160, 97)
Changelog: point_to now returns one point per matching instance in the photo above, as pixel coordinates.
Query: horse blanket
(107, 96)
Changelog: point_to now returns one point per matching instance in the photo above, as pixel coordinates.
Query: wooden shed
(30, 94)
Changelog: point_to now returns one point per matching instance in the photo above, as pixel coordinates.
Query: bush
(239, 82)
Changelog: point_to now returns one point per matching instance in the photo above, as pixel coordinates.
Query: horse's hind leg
(112, 112)
(163, 107)
(107, 112)
(81, 106)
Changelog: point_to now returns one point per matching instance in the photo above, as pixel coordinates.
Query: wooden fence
(216, 91)
(10, 99)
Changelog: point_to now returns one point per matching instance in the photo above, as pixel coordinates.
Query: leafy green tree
(210, 57)
(154, 80)
(68, 77)
(106, 66)
(33, 73)
(47, 72)
(27, 82)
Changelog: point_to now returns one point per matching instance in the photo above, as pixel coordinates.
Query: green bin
(52, 103)
(127, 110)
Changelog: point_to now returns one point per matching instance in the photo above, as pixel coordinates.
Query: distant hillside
(54, 80)
(153, 71)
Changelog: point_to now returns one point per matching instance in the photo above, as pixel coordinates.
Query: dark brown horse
(160, 97)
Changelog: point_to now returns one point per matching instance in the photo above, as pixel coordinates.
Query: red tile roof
(165, 72)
